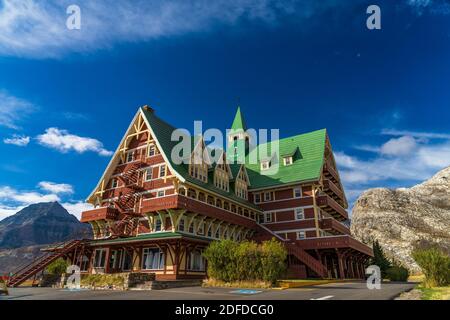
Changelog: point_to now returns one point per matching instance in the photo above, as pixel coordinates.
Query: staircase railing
(25, 272)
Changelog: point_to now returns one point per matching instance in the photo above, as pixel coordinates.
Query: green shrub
(246, 261)
(221, 256)
(57, 267)
(273, 260)
(397, 273)
(103, 280)
(435, 265)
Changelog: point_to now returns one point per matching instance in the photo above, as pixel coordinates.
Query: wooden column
(340, 264)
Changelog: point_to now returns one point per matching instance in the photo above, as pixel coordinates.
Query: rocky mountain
(403, 218)
(40, 223)
(23, 234)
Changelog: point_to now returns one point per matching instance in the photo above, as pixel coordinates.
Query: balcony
(329, 186)
(196, 206)
(334, 226)
(332, 242)
(104, 213)
(330, 171)
(333, 208)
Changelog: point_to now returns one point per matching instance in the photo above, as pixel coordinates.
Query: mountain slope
(402, 218)
(41, 223)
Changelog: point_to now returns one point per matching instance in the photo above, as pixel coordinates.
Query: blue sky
(67, 96)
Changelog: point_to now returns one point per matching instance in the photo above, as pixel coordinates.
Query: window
(210, 232)
(265, 165)
(158, 225)
(152, 259)
(299, 214)
(267, 196)
(162, 171)
(161, 193)
(257, 197)
(114, 183)
(84, 263)
(100, 258)
(148, 174)
(115, 259)
(151, 150)
(297, 192)
(196, 261)
(130, 156)
(287, 161)
(301, 235)
(127, 260)
(181, 225)
(268, 217)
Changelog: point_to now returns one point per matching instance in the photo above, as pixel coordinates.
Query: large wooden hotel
(153, 214)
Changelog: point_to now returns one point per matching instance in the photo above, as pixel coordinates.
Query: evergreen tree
(379, 259)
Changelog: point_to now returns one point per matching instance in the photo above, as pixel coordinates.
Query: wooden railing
(329, 168)
(103, 213)
(344, 241)
(328, 184)
(327, 201)
(183, 202)
(331, 223)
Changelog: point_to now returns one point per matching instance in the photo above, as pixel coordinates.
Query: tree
(379, 259)
(57, 267)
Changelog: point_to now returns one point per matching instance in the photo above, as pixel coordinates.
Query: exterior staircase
(293, 249)
(39, 264)
(130, 178)
(124, 227)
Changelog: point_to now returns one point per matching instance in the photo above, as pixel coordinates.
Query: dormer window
(265, 165)
(287, 161)
(114, 183)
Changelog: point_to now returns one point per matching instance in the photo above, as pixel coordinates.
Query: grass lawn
(437, 293)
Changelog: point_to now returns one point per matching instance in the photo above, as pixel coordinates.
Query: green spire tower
(238, 139)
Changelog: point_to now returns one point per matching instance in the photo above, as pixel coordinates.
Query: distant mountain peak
(39, 223)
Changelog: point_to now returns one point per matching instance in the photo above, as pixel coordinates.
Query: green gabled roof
(238, 122)
(307, 165)
(163, 132)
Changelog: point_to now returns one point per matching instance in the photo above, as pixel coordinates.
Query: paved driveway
(333, 291)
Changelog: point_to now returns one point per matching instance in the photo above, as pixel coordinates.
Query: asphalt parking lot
(332, 291)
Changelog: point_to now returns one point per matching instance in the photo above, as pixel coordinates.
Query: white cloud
(416, 134)
(76, 208)
(417, 166)
(56, 188)
(8, 194)
(37, 29)
(12, 109)
(18, 140)
(63, 141)
(6, 211)
(399, 146)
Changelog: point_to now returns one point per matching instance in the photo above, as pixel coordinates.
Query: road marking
(323, 298)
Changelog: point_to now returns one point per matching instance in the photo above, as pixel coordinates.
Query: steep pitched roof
(163, 132)
(238, 122)
(307, 166)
